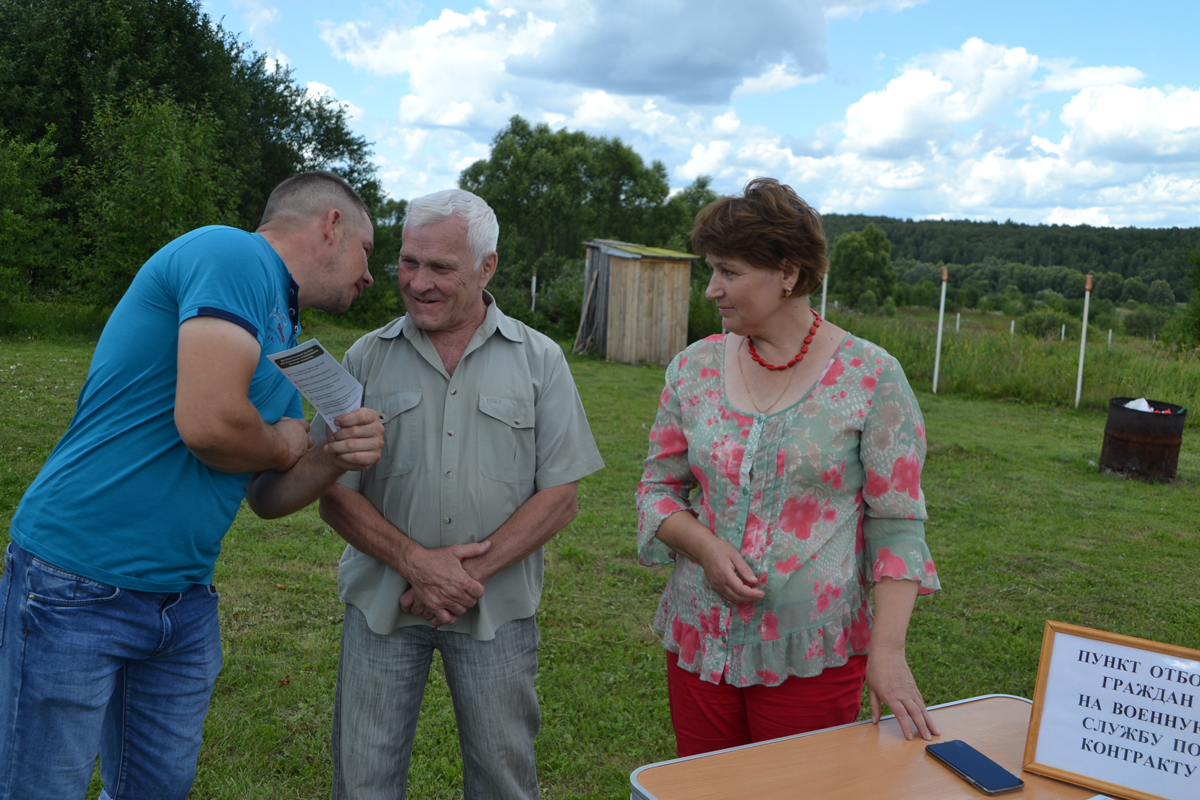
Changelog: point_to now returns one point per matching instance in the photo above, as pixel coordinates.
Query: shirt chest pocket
(507, 444)
(401, 415)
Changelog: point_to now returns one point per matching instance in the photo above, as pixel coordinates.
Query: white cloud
(853, 9)
(320, 91)
(1095, 216)
(1131, 125)
(276, 61)
(601, 111)
(776, 78)
(696, 52)
(921, 108)
(726, 124)
(260, 17)
(980, 131)
(705, 160)
(1064, 77)
(455, 64)
(431, 160)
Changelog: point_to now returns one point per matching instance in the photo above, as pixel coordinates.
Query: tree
(64, 62)
(1047, 324)
(1108, 286)
(861, 262)
(1189, 322)
(1160, 294)
(988, 247)
(867, 302)
(156, 174)
(1145, 322)
(33, 246)
(686, 204)
(553, 190)
(1134, 289)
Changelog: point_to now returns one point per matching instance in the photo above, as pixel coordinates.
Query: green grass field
(985, 361)
(1023, 528)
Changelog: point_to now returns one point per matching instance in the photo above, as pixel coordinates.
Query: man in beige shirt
(485, 441)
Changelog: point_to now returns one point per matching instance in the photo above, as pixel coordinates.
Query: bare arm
(356, 446)
(435, 575)
(726, 570)
(889, 680)
(215, 418)
(531, 526)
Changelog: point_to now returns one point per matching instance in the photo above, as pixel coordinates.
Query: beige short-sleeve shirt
(461, 454)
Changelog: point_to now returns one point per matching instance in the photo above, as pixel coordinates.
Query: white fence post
(957, 321)
(1064, 333)
(937, 356)
(1012, 327)
(533, 292)
(1087, 298)
(824, 293)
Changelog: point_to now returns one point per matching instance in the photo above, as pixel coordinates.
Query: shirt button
(517, 421)
(447, 520)
(449, 474)
(450, 432)
(454, 391)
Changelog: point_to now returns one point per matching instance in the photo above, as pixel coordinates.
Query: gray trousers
(381, 680)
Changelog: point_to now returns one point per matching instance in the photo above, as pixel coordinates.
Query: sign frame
(1029, 762)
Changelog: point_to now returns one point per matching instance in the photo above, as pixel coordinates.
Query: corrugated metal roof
(640, 250)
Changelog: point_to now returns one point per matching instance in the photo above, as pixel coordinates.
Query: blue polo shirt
(121, 500)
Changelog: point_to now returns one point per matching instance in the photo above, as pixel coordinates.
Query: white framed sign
(1116, 714)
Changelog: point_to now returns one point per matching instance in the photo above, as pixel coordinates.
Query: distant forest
(1147, 253)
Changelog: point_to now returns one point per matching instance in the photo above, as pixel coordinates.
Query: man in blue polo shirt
(109, 638)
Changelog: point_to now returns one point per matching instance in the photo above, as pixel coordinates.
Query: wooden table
(860, 761)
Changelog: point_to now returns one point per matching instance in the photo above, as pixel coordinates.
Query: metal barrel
(1140, 442)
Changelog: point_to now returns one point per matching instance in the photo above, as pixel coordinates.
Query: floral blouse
(822, 499)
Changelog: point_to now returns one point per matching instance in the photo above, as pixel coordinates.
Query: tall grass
(52, 320)
(991, 364)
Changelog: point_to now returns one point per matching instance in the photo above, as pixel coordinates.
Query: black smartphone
(974, 767)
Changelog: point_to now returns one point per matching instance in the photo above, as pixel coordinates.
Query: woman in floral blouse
(783, 481)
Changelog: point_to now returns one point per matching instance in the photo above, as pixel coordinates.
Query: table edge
(643, 794)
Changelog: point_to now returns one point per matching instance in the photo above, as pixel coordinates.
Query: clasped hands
(441, 584)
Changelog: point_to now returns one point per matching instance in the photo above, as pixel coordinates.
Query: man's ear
(333, 227)
(487, 269)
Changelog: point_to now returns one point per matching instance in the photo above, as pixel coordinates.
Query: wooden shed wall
(647, 309)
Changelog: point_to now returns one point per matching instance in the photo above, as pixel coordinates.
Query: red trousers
(708, 716)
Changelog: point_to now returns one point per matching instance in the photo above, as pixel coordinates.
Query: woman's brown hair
(767, 225)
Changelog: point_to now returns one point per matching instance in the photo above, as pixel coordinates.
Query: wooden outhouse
(635, 302)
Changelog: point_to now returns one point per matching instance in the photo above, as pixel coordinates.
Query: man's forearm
(362, 526)
(356, 446)
(274, 494)
(240, 445)
(531, 526)
(438, 583)
(213, 414)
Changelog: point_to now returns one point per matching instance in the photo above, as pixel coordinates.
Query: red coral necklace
(799, 356)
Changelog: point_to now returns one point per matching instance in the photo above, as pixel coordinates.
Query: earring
(787, 292)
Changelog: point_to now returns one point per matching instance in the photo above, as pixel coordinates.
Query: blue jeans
(86, 668)
(381, 680)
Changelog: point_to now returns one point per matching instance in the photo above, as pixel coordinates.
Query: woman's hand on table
(889, 680)
(728, 573)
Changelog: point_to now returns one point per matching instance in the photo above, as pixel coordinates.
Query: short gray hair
(482, 228)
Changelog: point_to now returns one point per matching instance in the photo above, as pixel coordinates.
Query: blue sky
(1041, 112)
